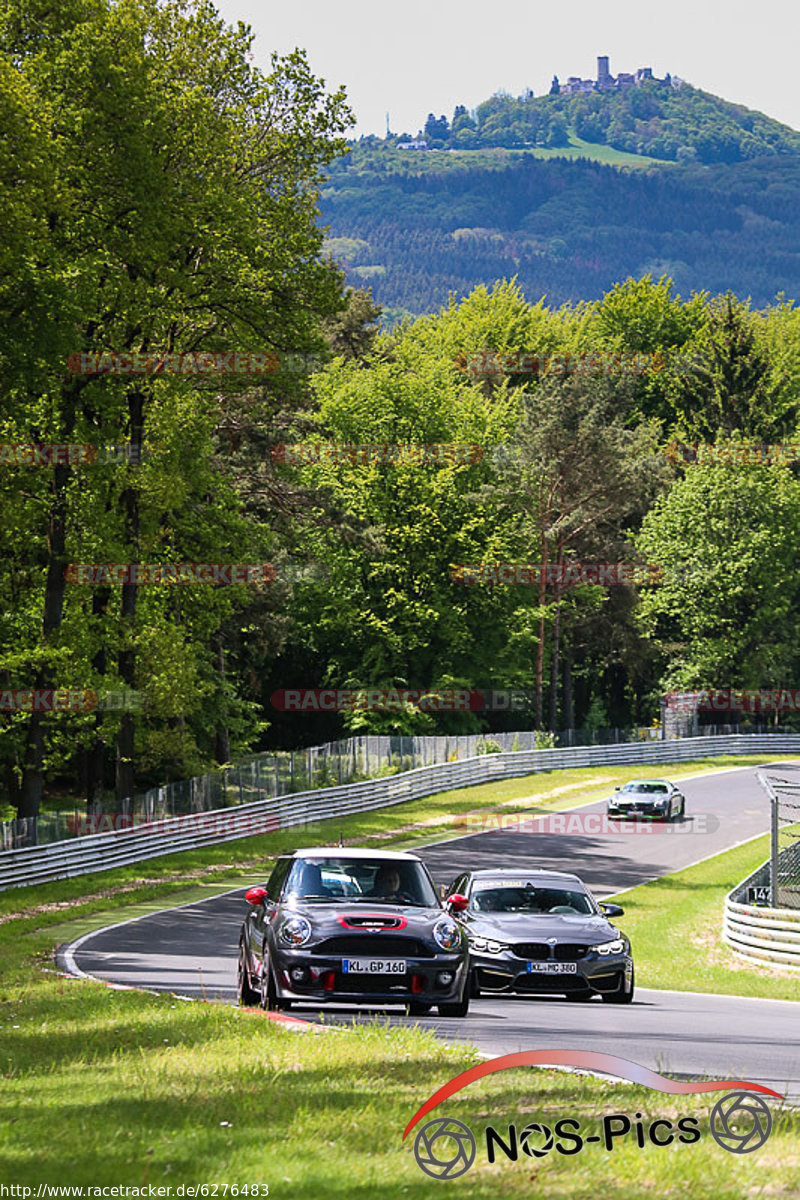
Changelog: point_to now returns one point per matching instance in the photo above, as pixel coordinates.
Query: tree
(437, 130)
(578, 478)
(727, 383)
(181, 215)
(725, 539)
(558, 134)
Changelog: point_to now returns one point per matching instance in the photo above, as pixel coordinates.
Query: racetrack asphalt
(192, 950)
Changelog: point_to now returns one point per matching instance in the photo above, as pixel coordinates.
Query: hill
(654, 118)
(654, 179)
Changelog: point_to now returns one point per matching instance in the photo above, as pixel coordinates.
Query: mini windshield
(373, 881)
(646, 788)
(529, 898)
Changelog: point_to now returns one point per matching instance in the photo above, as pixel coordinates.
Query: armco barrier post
(773, 856)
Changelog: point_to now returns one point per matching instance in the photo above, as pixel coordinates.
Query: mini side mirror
(612, 910)
(256, 896)
(457, 903)
(618, 788)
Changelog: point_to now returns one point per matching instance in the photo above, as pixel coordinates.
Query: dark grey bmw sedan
(541, 932)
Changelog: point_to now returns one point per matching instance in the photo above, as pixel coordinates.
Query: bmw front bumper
(508, 973)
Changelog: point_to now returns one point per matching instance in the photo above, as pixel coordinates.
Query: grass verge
(117, 1088)
(675, 925)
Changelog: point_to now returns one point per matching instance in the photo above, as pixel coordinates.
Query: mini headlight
(447, 934)
(295, 931)
(615, 947)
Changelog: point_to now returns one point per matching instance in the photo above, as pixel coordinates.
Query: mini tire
(269, 998)
(247, 995)
(458, 1008)
(416, 1008)
(623, 996)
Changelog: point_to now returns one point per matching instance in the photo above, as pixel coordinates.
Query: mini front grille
(373, 985)
(386, 946)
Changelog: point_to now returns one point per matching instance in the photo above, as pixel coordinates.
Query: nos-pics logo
(446, 1148)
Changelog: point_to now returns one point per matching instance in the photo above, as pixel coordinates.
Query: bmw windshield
(530, 899)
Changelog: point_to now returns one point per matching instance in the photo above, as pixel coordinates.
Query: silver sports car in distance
(656, 799)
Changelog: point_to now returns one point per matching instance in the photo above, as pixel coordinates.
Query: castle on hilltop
(606, 82)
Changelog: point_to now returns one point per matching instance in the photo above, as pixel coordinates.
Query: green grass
(102, 1087)
(415, 161)
(675, 926)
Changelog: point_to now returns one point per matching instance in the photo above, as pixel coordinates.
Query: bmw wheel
(625, 993)
(247, 996)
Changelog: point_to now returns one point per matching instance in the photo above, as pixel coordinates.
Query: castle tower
(603, 73)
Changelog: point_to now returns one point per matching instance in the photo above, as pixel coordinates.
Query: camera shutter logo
(740, 1122)
(529, 1137)
(444, 1148)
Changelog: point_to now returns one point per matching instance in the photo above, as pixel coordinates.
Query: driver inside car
(387, 882)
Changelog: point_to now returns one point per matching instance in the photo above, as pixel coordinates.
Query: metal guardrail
(768, 936)
(101, 852)
(761, 933)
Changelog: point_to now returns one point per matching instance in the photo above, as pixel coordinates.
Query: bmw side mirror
(256, 896)
(457, 903)
(612, 910)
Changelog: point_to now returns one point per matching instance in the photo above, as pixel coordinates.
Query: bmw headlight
(296, 931)
(447, 934)
(482, 945)
(615, 947)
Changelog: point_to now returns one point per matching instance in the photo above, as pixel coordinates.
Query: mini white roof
(353, 852)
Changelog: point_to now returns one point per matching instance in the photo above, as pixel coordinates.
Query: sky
(426, 56)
